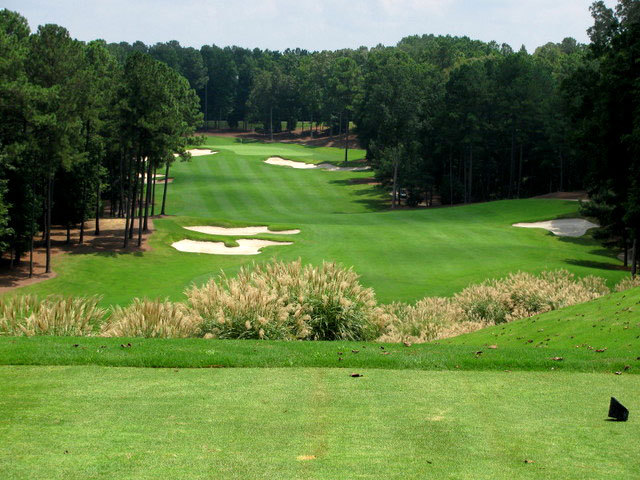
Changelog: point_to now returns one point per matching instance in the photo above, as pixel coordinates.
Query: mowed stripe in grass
(96, 422)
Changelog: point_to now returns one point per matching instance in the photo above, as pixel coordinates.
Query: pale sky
(311, 24)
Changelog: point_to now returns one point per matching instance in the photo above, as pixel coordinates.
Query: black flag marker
(618, 411)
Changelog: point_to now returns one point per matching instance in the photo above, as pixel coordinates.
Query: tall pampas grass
(519, 295)
(152, 319)
(287, 301)
(627, 283)
(53, 315)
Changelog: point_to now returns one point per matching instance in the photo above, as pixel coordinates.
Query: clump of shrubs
(288, 301)
(519, 295)
(30, 315)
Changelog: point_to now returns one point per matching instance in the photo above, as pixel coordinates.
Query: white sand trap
(332, 168)
(246, 246)
(288, 163)
(564, 227)
(239, 231)
(198, 152)
(324, 166)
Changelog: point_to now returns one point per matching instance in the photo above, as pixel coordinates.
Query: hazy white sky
(311, 24)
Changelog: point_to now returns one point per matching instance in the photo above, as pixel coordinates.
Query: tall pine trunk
(451, 176)
(122, 205)
(33, 233)
(394, 202)
(634, 258)
(512, 163)
(470, 173)
(130, 200)
(164, 194)
(97, 232)
(153, 192)
(520, 171)
(47, 268)
(346, 140)
(147, 196)
(141, 205)
(134, 197)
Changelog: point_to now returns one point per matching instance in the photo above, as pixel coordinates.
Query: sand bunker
(239, 231)
(324, 166)
(198, 152)
(288, 163)
(246, 246)
(564, 227)
(332, 168)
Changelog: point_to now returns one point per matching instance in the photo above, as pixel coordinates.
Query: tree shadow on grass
(375, 204)
(596, 265)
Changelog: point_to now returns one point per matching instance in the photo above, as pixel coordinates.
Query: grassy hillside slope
(610, 323)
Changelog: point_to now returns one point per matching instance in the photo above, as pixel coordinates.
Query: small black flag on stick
(618, 411)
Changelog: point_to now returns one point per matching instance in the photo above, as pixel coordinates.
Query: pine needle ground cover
(404, 255)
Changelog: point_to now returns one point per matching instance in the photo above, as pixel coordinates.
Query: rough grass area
(611, 322)
(94, 423)
(199, 353)
(404, 255)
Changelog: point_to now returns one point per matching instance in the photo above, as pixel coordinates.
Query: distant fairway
(404, 255)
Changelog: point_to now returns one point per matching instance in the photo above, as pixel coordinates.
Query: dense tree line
(604, 103)
(78, 130)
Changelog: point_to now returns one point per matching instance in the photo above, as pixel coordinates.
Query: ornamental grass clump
(53, 315)
(432, 318)
(152, 319)
(288, 301)
(522, 295)
(519, 295)
(627, 283)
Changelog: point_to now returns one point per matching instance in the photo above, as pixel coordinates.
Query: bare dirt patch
(110, 240)
(575, 196)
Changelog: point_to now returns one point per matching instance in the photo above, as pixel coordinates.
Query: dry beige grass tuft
(54, 315)
(287, 301)
(627, 283)
(152, 319)
(519, 295)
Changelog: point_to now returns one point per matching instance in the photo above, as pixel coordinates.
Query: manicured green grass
(96, 422)
(404, 255)
(611, 322)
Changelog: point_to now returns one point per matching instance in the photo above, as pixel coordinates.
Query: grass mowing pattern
(93, 422)
(404, 255)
